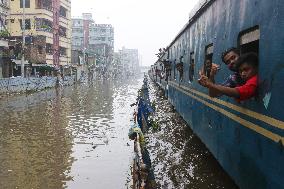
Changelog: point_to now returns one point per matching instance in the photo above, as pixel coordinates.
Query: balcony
(64, 22)
(49, 57)
(63, 60)
(44, 4)
(4, 4)
(66, 3)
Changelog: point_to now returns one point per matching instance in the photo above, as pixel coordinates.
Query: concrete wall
(19, 84)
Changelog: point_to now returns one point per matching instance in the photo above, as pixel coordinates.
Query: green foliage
(44, 68)
(155, 126)
(44, 26)
(153, 105)
(4, 33)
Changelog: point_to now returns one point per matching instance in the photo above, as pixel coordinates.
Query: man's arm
(218, 89)
(221, 90)
(213, 92)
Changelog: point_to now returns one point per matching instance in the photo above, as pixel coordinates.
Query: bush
(4, 33)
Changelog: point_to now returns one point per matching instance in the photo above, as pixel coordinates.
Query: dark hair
(132, 136)
(232, 49)
(248, 58)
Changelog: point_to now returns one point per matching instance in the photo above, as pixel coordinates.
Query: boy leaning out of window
(247, 66)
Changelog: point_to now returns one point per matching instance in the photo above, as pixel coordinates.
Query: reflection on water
(180, 159)
(72, 138)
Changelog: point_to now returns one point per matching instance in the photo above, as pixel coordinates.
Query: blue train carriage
(246, 138)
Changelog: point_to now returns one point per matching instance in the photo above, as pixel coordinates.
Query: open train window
(249, 40)
(179, 67)
(191, 66)
(175, 69)
(208, 59)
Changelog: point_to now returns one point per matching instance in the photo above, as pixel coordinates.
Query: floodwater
(75, 137)
(179, 159)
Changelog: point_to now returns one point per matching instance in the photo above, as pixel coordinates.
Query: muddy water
(71, 138)
(179, 158)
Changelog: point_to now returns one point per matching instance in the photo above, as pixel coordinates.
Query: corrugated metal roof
(195, 12)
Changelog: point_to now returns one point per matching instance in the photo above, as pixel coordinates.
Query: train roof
(194, 13)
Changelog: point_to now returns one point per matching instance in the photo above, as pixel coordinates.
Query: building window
(62, 51)
(27, 4)
(63, 12)
(43, 25)
(62, 31)
(40, 49)
(48, 48)
(27, 24)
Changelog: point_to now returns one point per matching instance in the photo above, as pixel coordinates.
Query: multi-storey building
(48, 25)
(129, 59)
(94, 39)
(4, 55)
(4, 12)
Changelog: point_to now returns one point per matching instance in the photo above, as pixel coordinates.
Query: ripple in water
(74, 138)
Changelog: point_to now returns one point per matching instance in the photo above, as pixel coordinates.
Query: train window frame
(191, 66)
(248, 40)
(174, 63)
(175, 77)
(179, 67)
(209, 51)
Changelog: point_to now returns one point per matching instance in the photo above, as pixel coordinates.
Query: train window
(208, 59)
(174, 62)
(249, 40)
(179, 67)
(175, 69)
(168, 54)
(191, 66)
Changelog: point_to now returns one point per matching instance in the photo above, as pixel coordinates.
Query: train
(246, 138)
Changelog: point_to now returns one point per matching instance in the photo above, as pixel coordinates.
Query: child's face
(247, 71)
(208, 64)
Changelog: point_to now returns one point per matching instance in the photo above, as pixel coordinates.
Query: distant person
(207, 67)
(247, 66)
(191, 71)
(134, 132)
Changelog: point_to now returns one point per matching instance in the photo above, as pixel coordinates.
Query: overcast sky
(146, 25)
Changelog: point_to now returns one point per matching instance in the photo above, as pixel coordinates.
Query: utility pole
(23, 43)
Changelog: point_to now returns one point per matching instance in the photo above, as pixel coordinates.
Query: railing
(139, 168)
(4, 4)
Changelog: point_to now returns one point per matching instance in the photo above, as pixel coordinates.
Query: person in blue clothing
(229, 57)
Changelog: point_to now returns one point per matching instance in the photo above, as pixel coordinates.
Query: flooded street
(76, 137)
(70, 138)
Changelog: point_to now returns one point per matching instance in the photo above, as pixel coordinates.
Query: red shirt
(248, 90)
